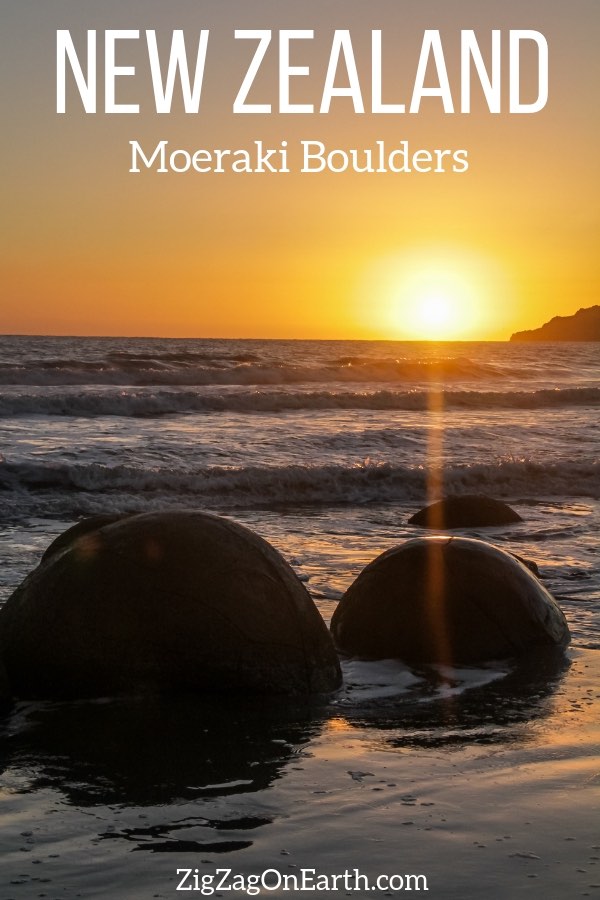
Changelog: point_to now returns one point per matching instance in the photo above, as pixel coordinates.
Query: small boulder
(182, 601)
(465, 511)
(449, 600)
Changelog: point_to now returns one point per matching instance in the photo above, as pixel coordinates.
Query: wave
(194, 369)
(129, 488)
(146, 404)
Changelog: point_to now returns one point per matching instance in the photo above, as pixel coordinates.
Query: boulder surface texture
(91, 523)
(183, 601)
(448, 600)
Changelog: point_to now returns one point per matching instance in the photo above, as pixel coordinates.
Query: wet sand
(492, 792)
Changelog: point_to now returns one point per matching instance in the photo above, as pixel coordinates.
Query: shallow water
(485, 780)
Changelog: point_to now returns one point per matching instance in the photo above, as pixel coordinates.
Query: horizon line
(159, 337)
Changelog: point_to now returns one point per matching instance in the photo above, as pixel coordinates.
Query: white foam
(375, 679)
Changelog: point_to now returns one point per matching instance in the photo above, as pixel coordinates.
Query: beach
(110, 799)
(483, 780)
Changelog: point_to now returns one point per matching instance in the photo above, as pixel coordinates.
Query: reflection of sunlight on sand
(510, 810)
(524, 792)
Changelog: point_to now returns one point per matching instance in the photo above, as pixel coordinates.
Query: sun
(436, 301)
(436, 297)
(436, 313)
(433, 294)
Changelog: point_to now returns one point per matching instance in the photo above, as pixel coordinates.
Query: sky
(91, 248)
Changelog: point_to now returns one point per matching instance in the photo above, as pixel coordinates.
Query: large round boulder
(447, 600)
(183, 601)
(465, 511)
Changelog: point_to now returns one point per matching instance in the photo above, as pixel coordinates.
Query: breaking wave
(130, 488)
(200, 369)
(149, 404)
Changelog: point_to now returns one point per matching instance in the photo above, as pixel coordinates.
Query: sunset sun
(437, 314)
(433, 293)
(438, 298)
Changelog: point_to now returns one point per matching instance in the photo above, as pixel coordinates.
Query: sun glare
(434, 294)
(435, 302)
(435, 313)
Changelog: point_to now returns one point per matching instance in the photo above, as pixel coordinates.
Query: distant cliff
(584, 325)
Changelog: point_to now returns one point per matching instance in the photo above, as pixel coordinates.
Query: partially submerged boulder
(183, 601)
(447, 600)
(465, 511)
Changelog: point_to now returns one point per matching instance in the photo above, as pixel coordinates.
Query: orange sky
(91, 249)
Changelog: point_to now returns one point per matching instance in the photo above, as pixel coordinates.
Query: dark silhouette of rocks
(465, 511)
(171, 601)
(584, 325)
(447, 600)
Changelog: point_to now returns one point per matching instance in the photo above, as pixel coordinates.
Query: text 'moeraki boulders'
(447, 600)
(177, 601)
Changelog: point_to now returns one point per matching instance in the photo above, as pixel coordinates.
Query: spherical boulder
(183, 601)
(449, 600)
(465, 511)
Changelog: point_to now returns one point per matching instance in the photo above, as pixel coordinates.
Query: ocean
(325, 448)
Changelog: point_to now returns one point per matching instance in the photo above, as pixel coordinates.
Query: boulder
(465, 511)
(529, 563)
(182, 601)
(5, 693)
(449, 600)
(78, 530)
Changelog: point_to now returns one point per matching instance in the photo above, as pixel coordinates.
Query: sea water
(325, 448)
